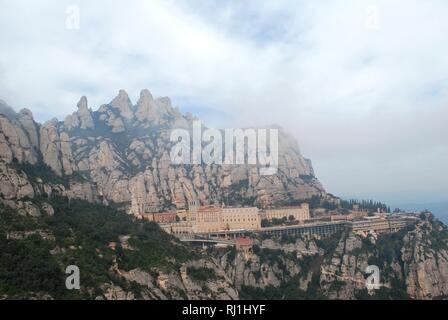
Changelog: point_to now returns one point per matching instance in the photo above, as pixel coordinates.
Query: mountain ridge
(121, 151)
(65, 187)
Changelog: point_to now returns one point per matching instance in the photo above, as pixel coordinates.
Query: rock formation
(122, 151)
(119, 155)
(123, 104)
(413, 264)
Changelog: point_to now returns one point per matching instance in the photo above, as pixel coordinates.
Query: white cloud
(362, 97)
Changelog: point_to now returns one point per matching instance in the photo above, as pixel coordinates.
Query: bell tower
(193, 205)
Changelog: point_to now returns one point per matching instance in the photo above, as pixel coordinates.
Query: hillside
(69, 193)
(413, 264)
(123, 258)
(118, 258)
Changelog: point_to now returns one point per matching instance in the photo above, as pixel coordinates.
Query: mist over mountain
(120, 154)
(71, 192)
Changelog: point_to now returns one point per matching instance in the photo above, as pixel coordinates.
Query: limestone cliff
(122, 152)
(412, 263)
(118, 156)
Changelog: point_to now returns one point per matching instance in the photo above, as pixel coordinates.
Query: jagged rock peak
(145, 95)
(52, 122)
(164, 106)
(26, 113)
(144, 105)
(165, 100)
(139, 173)
(27, 121)
(7, 110)
(153, 110)
(82, 104)
(123, 104)
(84, 114)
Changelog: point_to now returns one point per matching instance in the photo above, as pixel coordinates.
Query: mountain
(69, 190)
(120, 154)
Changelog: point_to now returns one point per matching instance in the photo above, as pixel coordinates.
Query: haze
(361, 84)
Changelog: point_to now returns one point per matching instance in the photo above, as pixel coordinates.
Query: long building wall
(162, 217)
(301, 213)
(206, 219)
(322, 229)
(383, 225)
(212, 219)
(241, 218)
(185, 229)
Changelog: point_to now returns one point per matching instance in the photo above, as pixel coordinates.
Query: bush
(83, 230)
(201, 274)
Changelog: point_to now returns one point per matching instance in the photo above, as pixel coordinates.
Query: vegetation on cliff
(34, 258)
(412, 264)
(104, 243)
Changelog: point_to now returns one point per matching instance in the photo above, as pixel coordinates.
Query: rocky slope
(120, 154)
(119, 258)
(61, 183)
(123, 258)
(413, 265)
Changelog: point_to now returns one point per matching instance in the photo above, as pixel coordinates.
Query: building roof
(243, 241)
(208, 208)
(165, 213)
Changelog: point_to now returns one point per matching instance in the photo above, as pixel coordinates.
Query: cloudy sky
(363, 85)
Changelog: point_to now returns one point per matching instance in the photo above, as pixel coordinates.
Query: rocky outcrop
(271, 263)
(163, 285)
(15, 142)
(346, 267)
(145, 106)
(123, 152)
(85, 116)
(157, 112)
(26, 119)
(111, 118)
(55, 146)
(412, 265)
(13, 184)
(71, 122)
(114, 292)
(219, 286)
(50, 145)
(425, 261)
(123, 104)
(81, 119)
